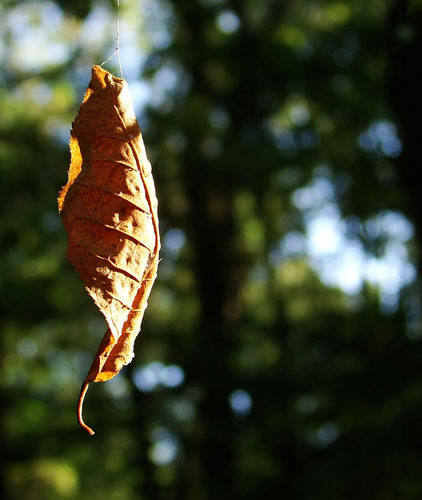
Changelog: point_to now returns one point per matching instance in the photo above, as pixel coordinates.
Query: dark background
(266, 369)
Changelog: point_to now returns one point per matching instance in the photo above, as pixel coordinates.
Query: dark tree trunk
(405, 49)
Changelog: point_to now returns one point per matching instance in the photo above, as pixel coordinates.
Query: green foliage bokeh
(291, 387)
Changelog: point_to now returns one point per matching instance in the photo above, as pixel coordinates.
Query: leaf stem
(81, 422)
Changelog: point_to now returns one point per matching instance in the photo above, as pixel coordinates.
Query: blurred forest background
(280, 356)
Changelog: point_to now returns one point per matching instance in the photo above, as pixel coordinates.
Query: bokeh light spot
(240, 402)
(228, 22)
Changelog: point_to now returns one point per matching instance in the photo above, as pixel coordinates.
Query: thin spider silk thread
(117, 51)
(118, 39)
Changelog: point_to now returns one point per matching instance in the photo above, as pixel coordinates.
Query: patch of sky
(97, 27)
(324, 230)
(165, 447)
(172, 376)
(140, 92)
(57, 130)
(299, 114)
(2, 46)
(41, 93)
(156, 374)
(339, 265)
(228, 22)
(118, 386)
(287, 126)
(317, 193)
(291, 245)
(133, 55)
(159, 22)
(61, 365)
(381, 138)
(388, 224)
(35, 30)
(169, 80)
(98, 31)
(28, 91)
(41, 36)
(173, 242)
(240, 402)
(336, 252)
(24, 18)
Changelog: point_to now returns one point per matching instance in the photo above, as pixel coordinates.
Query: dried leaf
(109, 210)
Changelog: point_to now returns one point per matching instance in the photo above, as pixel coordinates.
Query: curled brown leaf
(109, 210)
